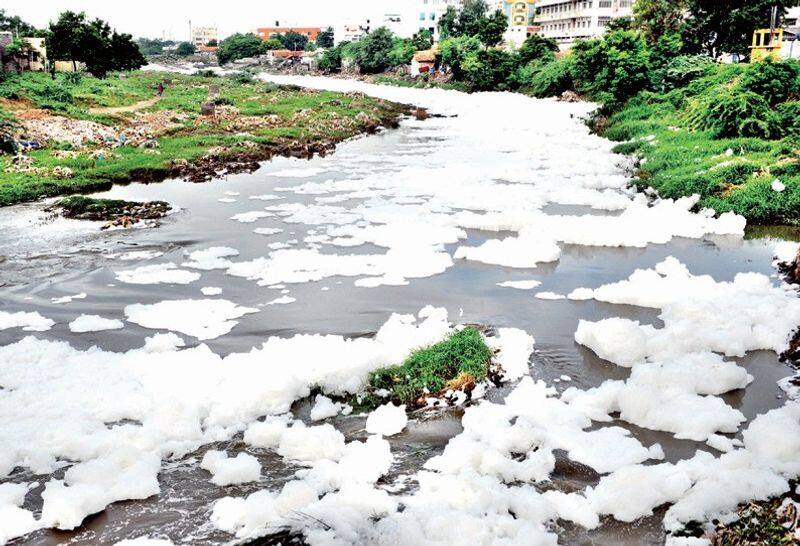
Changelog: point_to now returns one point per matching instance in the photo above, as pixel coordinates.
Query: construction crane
(767, 42)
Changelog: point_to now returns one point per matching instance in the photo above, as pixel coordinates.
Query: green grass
(729, 174)
(325, 116)
(461, 358)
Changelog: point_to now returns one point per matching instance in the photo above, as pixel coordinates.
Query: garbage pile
(75, 132)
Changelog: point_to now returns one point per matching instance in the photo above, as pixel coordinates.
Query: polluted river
(186, 383)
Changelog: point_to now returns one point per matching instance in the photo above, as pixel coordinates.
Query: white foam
(203, 319)
(94, 323)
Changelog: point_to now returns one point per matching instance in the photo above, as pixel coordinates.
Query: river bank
(84, 134)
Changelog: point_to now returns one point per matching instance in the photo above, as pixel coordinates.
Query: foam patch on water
(94, 323)
(157, 274)
(203, 319)
(28, 321)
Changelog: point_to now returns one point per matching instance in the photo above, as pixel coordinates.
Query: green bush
(243, 78)
(224, 101)
(612, 69)
(774, 81)
(489, 70)
(552, 79)
(331, 59)
(455, 51)
(789, 118)
(683, 69)
(537, 48)
(54, 96)
(72, 78)
(734, 113)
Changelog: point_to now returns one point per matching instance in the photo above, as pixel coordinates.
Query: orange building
(309, 32)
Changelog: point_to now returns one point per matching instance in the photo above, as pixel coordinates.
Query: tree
(18, 50)
(239, 46)
(422, 40)
(612, 69)
(73, 38)
(656, 18)
(537, 48)
(293, 41)
(185, 49)
(16, 25)
(67, 38)
(372, 51)
(212, 43)
(489, 69)
(331, 59)
(325, 38)
(468, 22)
(726, 26)
(272, 44)
(491, 29)
(402, 52)
(150, 47)
(456, 51)
(447, 23)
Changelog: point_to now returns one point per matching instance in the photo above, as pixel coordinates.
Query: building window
(421, 16)
(604, 3)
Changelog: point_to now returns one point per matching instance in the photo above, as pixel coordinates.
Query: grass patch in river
(460, 360)
(116, 211)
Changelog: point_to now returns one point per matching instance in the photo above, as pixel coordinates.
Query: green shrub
(331, 59)
(224, 101)
(462, 356)
(537, 48)
(789, 118)
(54, 96)
(243, 78)
(685, 68)
(612, 69)
(774, 81)
(72, 78)
(552, 79)
(490, 70)
(734, 113)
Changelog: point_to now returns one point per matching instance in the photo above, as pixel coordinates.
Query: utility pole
(191, 39)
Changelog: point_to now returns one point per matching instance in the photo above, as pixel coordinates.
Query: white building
(202, 35)
(568, 20)
(427, 14)
(350, 32)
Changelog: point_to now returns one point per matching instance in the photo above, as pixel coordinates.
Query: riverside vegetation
(82, 134)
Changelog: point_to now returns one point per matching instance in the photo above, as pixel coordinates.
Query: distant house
(268, 33)
(423, 62)
(35, 60)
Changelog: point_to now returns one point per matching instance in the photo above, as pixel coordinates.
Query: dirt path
(125, 109)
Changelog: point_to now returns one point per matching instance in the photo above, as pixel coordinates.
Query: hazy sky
(154, 18)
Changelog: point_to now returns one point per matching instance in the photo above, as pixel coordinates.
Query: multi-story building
(520, 14)
(428, 13)
(568, 20)
(350, 32)
(267, 33)
(201, 36)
